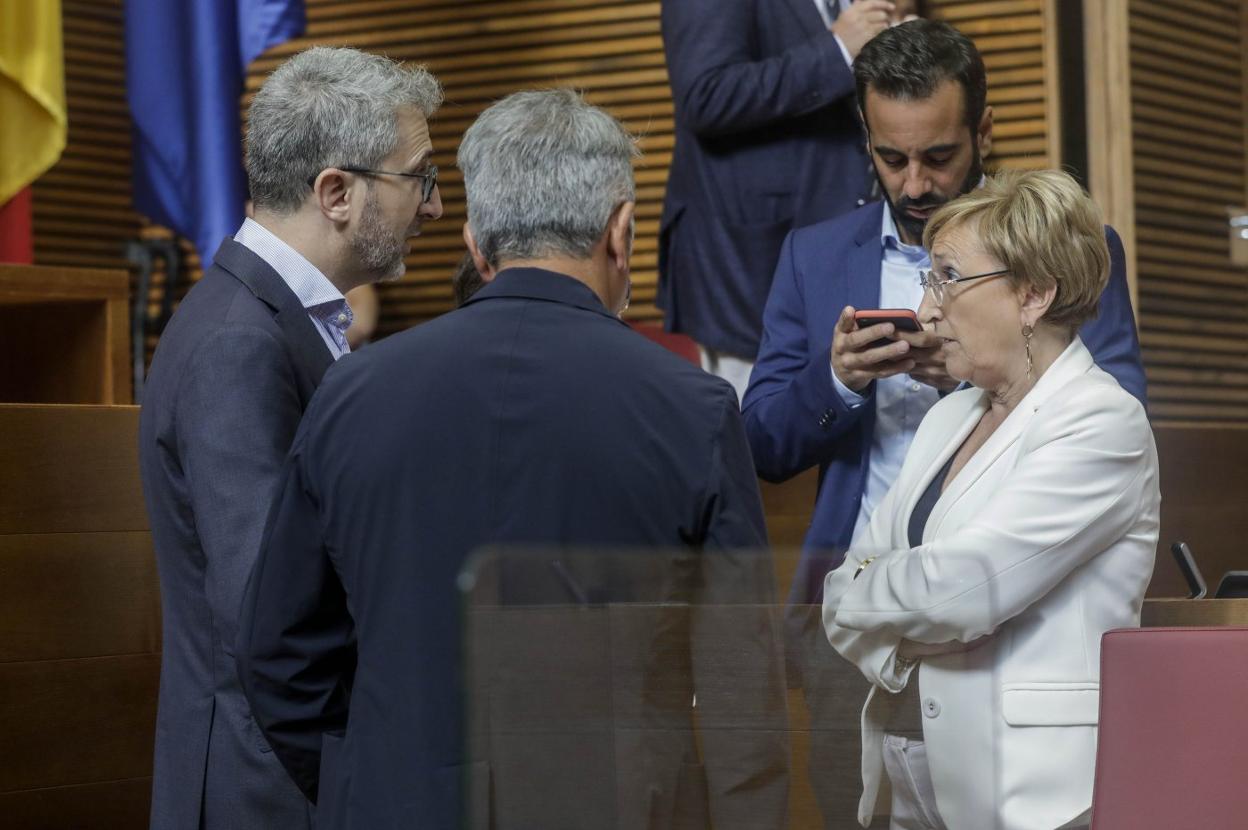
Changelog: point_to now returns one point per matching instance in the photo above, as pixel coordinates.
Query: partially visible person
(365, 310)
(1022, 526)
(767, 139)
(337, 157)
(531, 416)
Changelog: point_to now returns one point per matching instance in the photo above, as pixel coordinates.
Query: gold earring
(1028, 331)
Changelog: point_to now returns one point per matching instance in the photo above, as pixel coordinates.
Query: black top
(923, 508)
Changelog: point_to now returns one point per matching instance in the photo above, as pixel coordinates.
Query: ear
(483, 268)
(983, 135)
(1034, 303)
(620, 235)
(333, 196)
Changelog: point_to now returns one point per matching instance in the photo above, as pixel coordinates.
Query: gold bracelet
(863, 564)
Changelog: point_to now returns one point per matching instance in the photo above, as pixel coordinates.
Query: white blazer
(1046, 540)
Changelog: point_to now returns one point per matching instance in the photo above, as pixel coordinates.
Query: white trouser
(914, 800)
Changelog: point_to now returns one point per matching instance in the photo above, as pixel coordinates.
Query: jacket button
(931, 707)
(861, 202)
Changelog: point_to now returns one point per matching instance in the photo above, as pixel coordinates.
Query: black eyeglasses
(428, 178)
(930, 280)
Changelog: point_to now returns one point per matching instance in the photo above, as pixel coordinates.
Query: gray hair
(543, 171)
(327, 107)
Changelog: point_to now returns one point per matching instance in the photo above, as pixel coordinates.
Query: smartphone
(903, 319)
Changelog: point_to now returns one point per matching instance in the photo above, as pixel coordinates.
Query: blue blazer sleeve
(237, 412)
(793, 414)
(1111, 337)
(296, 646)
(718, 85)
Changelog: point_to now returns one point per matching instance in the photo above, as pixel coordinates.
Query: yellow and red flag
(32, 112)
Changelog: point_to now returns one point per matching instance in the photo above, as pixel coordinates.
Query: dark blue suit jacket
(794, 417)
(231, 376)
(767, 139)
(531, 416)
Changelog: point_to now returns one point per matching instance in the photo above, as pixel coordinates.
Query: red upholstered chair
(679, 344)
(1173, 744)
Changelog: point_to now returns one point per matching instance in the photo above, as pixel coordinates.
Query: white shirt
(900, 401)
(326, 306)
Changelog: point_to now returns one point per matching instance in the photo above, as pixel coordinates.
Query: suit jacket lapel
(957, 423)
(865, 263)
(311, 354)
(1075, 361)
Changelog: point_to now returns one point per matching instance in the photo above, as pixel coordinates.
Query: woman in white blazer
(1022, 526)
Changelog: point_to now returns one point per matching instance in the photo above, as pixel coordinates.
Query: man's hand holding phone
(862, 352)
(857, 359)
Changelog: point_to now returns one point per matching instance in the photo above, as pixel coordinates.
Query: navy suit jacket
(768, 139)
(231, 376)
(531, 416)
(794, 417)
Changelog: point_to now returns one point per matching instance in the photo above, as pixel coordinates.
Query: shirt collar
(891, 240)
(313, 288)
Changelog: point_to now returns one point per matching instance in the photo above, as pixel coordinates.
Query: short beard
(378, 251)
(914, 227)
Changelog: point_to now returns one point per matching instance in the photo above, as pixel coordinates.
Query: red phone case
(902, 318)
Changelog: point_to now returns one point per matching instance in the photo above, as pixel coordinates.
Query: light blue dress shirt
(326, 306)
(900, 401)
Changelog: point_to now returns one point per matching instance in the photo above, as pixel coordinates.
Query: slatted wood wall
(1018, 44)
(481, 50)
(613, 51)
(83, 210)
(1188, 95)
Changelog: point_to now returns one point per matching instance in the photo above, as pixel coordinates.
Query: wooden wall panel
(69, 469)
(484, 49)
(78, 595)
(79, 620)
(1188, 88)
(1018, 42)
(116, 804)
(77, 721)
(72, 328)
(481, 50)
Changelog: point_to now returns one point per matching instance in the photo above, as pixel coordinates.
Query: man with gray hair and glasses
(338, 160)
(529, 416)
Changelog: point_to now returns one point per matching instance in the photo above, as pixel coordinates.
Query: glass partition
(640, 689)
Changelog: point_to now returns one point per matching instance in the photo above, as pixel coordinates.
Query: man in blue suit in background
(822, 393)
(338, 164)
(531, 416)
(767, 139)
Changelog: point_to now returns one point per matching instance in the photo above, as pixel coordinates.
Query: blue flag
(185, 65)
